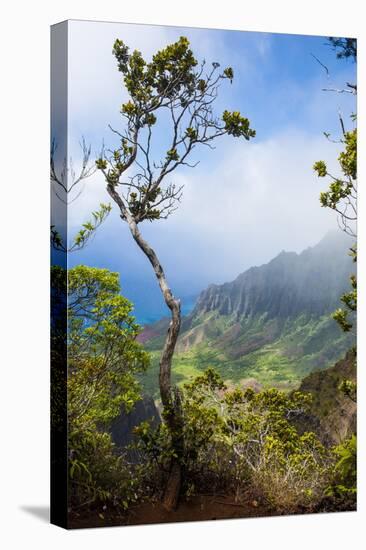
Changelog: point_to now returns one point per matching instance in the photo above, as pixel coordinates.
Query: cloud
(244, 202)
(258, 199)
(95, 86)
(240, 208)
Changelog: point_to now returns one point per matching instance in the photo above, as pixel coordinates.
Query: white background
(24, 217)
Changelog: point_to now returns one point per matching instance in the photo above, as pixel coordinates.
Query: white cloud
(264, 44)
(241, 206)
(245, 202)
(95, 85)
(258, 199)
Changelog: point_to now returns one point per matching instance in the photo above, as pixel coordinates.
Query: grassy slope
(275, 354)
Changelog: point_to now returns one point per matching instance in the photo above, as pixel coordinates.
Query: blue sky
(244, 202)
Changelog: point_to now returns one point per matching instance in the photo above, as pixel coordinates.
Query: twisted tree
(178, 92)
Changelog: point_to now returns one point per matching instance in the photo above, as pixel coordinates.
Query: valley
(270, 327)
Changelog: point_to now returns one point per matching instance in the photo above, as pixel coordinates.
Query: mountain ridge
(279, 276)
(272, 323)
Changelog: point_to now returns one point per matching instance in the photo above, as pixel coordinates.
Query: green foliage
(344, 482)
(56, 239)
(236, 125)
(345, 47)
(88, 228)
(349, 299)
(101, 164)
(172, 154)
(348, 157)
(98, 476)
(58, 348)
(349, 388)
(191, 133)
(347, 463)
(321, 168)
(229, 73)
(298, 348)
(104, 354)
(341, 316)
(235, 438)
(103, 359)
(341, 197)
(340, 189)
(172, 82)
(170, 70)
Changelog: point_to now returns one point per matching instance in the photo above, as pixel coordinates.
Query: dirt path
(198, 508)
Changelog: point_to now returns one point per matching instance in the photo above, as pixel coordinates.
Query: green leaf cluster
(237, 125)
(344, 482)
(172, 154)
(229, 73)
(340, 188)
(171, 69)
(341, 197)
(89, 227)
(345, 47)
(348, 157)
(349, 388)
(56, 238)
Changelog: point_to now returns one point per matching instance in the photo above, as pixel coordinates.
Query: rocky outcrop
(332, 414)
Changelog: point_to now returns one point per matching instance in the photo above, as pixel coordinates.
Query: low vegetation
(234, 441)
(239, 441)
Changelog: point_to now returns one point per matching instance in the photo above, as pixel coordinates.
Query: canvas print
(203, 277)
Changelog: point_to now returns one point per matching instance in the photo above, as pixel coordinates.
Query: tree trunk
(170, 397)
(172, 489)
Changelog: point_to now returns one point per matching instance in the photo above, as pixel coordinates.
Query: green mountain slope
(270, 325)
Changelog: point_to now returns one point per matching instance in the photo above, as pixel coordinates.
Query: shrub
(103, 358)
(235, 439)
(343, 485)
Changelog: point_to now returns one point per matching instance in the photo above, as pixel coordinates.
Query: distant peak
(290, 284)
(336, 235)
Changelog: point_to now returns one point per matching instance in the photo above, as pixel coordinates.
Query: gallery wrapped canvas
(203, 274)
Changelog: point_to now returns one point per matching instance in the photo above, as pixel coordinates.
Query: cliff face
(287, 286)
(333, 412)
(272, 323)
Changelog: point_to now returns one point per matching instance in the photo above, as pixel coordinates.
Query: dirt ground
(197, 508)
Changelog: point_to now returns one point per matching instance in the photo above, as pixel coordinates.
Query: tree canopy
(103, 360)
(174, 85)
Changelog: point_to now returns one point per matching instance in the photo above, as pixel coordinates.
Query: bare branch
(321, 64)
(340, 91)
